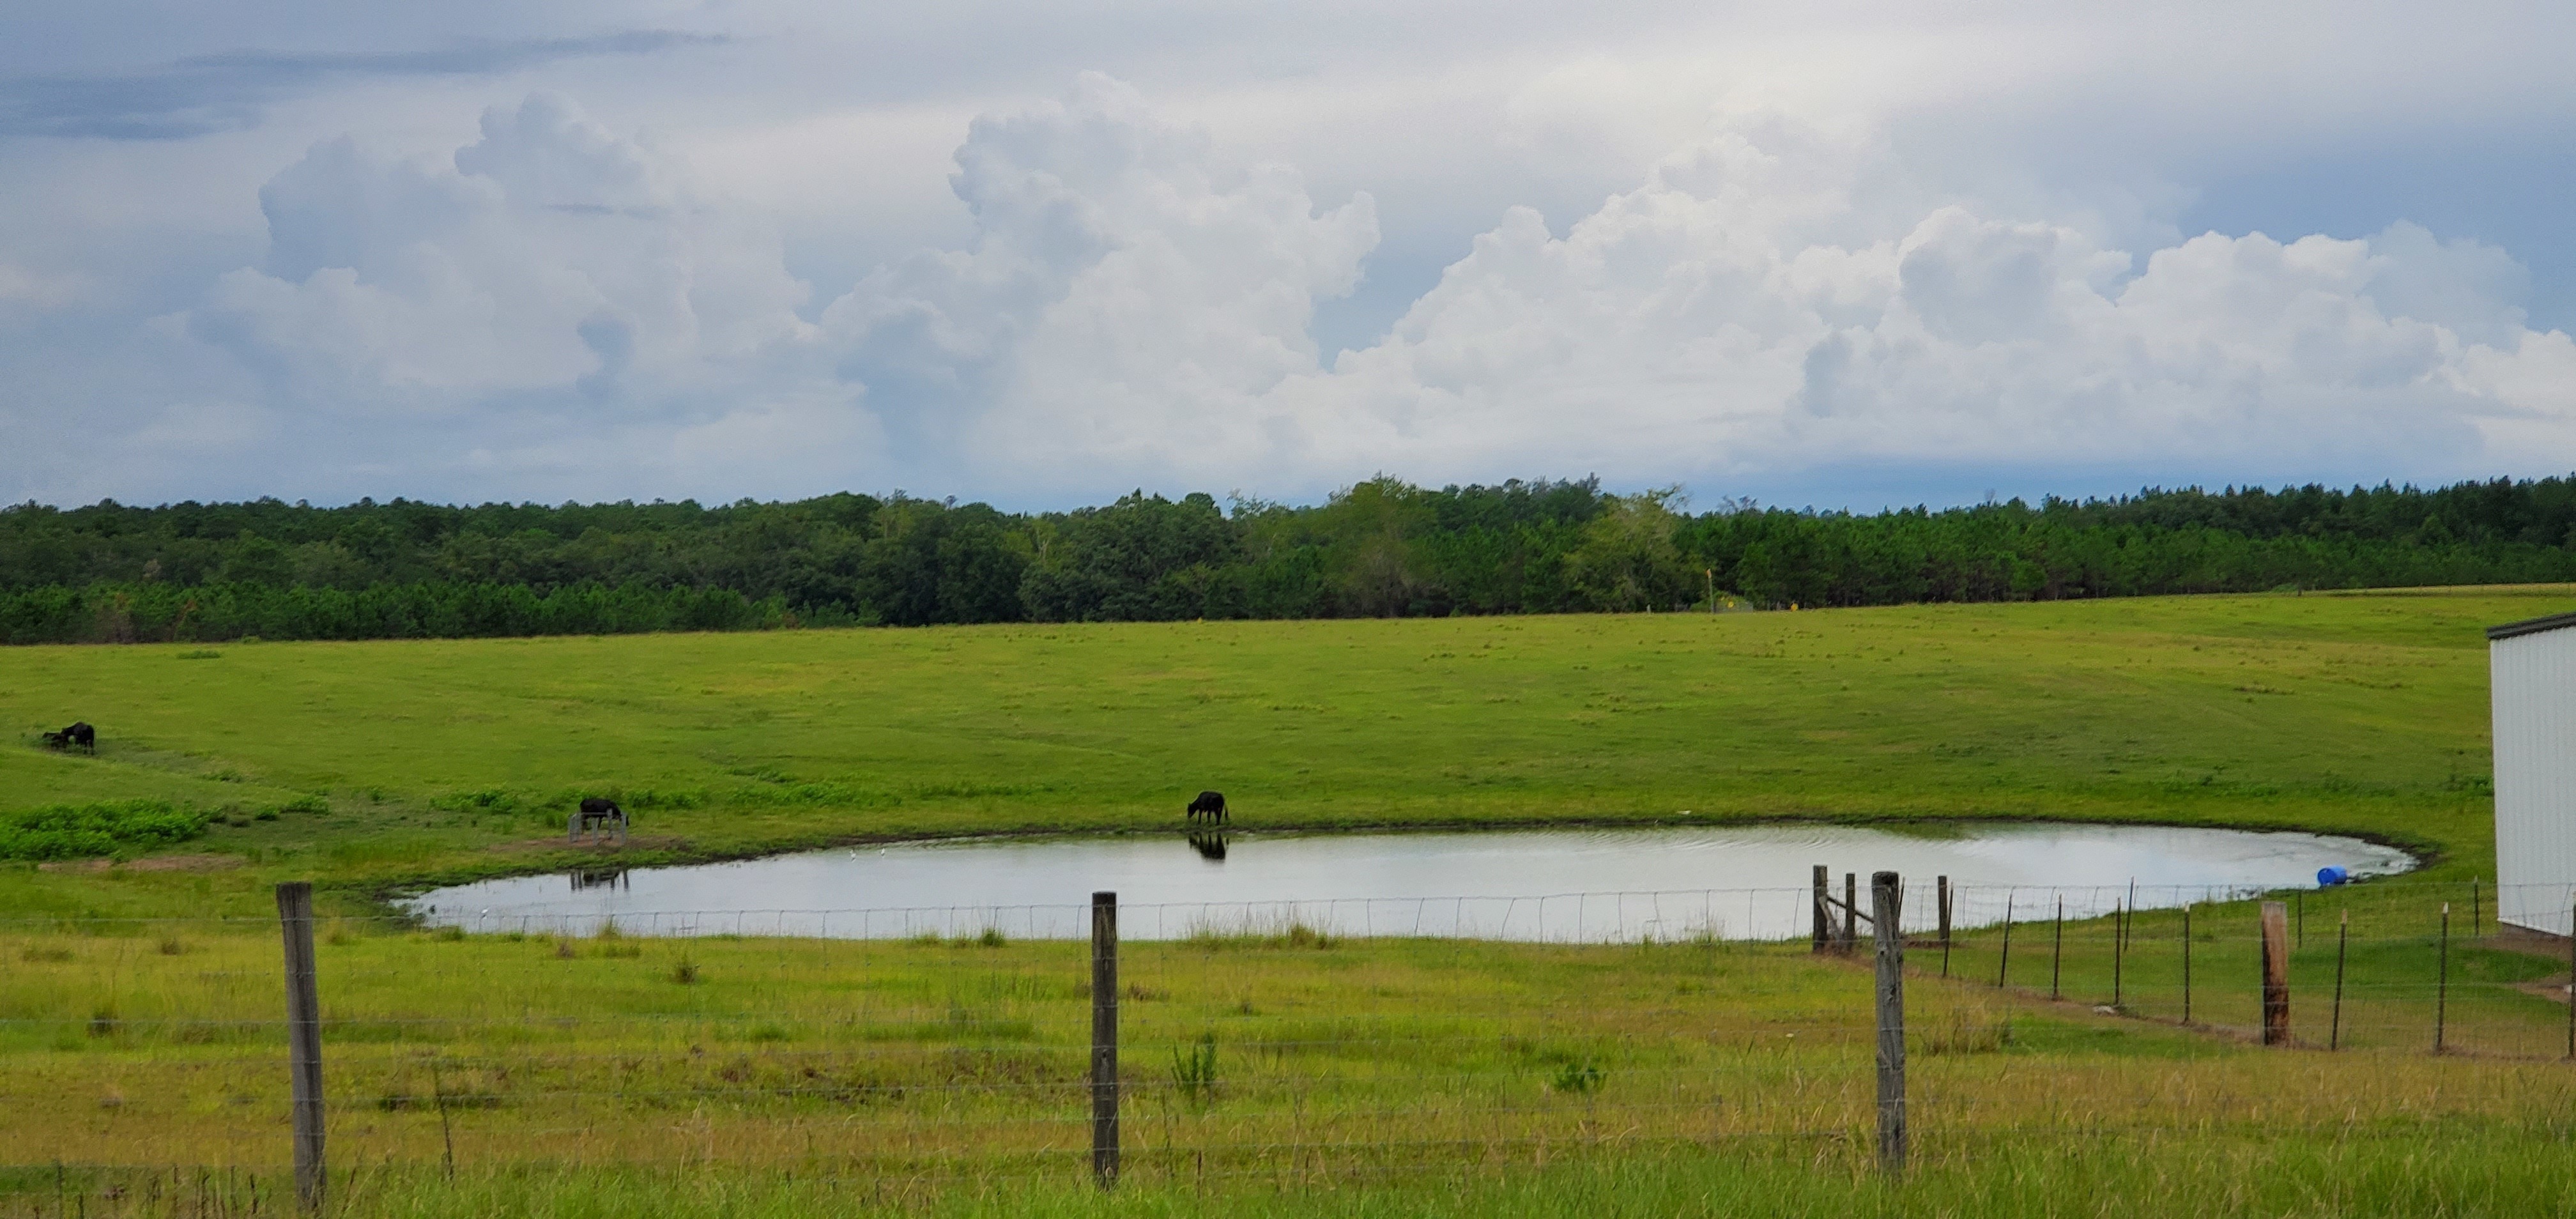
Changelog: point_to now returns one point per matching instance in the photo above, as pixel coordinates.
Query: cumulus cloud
(1126, 296)
(1134, 307)
(1772, 297)
(549, 273)
(548, 252)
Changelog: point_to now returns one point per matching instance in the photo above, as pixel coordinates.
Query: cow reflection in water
(598, 878)
(1209, 845)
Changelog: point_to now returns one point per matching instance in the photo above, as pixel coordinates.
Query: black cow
(80, 734)
(600, 812)
(1209, 807)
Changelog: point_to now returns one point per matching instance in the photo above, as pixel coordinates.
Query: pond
(1734, 882)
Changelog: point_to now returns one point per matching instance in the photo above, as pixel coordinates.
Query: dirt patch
(184, 863)
(2527, 942)
(154, 863)
(2552, 989)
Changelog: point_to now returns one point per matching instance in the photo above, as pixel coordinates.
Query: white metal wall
(2533, 678)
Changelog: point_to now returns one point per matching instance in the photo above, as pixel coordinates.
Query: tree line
(115, 573)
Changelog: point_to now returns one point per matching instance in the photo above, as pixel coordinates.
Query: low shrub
(66, 831)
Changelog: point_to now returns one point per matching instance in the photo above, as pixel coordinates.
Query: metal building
(2531, 668)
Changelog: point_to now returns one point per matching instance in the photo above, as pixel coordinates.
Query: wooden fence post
(2276, 973)
(1945, 926)
(303, 1040)
(2571, 983)
(2057, 949)
(2442, 987)
(2186, 962)
(2003, 964)
(2343, 935)
(1851, 913)
(1822, 911)
(2119, 949)
(1104, 1039)
(1884, 898)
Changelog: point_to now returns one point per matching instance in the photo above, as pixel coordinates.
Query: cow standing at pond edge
(599, 812)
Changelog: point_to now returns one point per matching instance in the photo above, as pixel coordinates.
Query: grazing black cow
(600, 812)
(1209, 807)
(80, 734)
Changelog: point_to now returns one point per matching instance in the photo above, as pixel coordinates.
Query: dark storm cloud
(228, 90)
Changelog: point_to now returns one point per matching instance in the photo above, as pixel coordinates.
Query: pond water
(1736, 882)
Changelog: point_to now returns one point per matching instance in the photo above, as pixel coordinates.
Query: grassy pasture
(768, 1076)
(946, 1076)
(2360, 713)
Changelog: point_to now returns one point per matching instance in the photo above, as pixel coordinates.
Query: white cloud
(556, 309)
(1774, 297)
(552, 309)
(548, 256)
(1126, 296)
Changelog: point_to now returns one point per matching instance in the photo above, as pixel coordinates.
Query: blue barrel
(2332, 876)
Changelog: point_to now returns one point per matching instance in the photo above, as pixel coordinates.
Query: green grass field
(1360, 1077)
(2359, 713)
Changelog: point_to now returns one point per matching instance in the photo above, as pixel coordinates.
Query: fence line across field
(1106, 1084)
(327, 995)
(1756, 913)
(1377, 1107)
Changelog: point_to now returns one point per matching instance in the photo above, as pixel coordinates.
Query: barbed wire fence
(901, 1049)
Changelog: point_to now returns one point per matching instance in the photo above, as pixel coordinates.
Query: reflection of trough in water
(599, 878)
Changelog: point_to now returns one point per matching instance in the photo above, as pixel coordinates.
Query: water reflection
(1210, 846)
(1737, 882)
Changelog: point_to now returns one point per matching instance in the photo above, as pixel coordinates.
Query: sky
(1848, 254)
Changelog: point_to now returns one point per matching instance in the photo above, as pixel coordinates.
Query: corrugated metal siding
(2533, 680)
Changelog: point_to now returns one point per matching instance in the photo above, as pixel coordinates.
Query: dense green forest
(110, 573)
